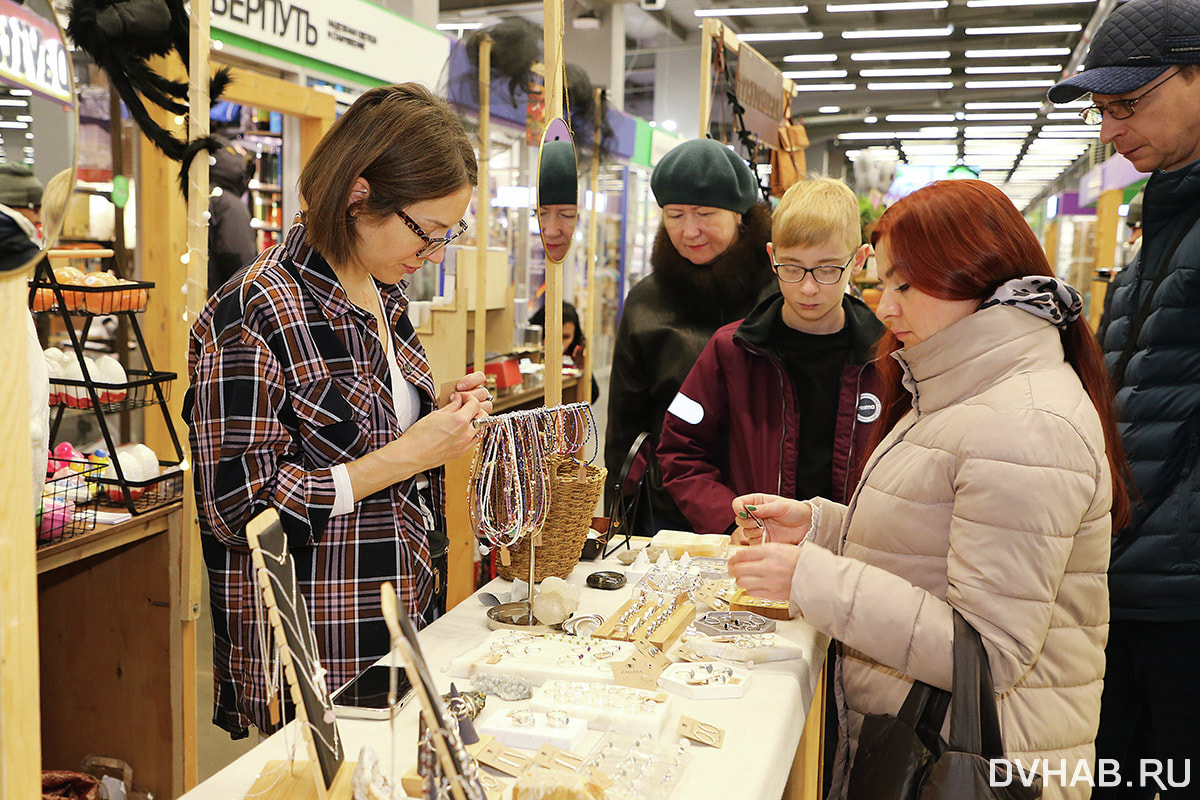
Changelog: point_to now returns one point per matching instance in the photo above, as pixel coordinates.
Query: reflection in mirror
(37, 132)
(558, 191)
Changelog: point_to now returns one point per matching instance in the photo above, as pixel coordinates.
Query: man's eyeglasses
(432, 245)
(827, 274)
(1119, 109)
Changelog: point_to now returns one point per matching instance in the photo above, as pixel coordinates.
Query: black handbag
(965, 769)
(904, 758)
(895, 753)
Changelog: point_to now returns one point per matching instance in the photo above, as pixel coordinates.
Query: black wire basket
(68, 503)
(141, 496)
(137, 392)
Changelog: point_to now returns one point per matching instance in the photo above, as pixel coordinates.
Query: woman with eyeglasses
(709, 267)
(311, 395)
(992, 488)
(785, 398)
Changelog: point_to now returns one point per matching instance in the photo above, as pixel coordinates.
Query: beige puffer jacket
(992, 497)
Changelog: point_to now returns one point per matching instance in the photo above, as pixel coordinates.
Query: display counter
(117, 658)
(762, 728)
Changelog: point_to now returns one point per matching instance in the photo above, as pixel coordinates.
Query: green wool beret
(557, 181)
(18, 186)
(704, 172)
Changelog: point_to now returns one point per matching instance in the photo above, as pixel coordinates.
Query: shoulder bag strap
(974, 721)
(1135, 329)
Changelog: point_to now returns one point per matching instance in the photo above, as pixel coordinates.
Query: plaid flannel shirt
(289, 378)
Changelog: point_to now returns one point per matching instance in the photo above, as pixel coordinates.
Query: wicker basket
(572, 503)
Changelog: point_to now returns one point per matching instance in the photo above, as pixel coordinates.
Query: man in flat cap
(1143, 74)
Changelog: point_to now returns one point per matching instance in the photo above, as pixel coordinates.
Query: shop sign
(1120, 172)
(353, 35)
(1090, 186)
(759, 89)
(661, 143)
(32, 54)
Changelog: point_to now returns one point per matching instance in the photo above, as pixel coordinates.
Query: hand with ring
(474, 385)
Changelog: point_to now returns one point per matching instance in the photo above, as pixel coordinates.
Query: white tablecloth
(762, 728)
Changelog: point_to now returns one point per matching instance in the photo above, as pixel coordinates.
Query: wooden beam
(262, 91)
(483, 201)
(592, 304)
(163, 246)
(553, 44)
(20, 714)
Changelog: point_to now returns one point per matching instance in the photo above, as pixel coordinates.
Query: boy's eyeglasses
(432, 245)
(827, 274)
(1119, 109)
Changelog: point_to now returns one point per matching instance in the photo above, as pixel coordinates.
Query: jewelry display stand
(327, 775)
(546, 434)
(455, 767)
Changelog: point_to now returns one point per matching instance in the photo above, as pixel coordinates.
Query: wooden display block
(771, 609)
(293, 780)
(663, 636)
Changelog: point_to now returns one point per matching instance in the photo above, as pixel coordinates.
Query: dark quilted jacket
(1155, 570)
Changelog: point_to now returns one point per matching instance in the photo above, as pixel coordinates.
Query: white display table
(762, 728)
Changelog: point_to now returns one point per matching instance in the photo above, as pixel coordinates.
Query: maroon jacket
(740, 432)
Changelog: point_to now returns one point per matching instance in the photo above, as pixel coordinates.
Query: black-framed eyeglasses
(1119, 109)
(432, 245)
(827, 274)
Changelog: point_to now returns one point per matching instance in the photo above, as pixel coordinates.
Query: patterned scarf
(1047, 298)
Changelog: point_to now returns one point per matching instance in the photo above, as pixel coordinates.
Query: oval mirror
(557, 191)
(38, 126)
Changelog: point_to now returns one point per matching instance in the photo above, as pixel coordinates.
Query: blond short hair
(816, 211)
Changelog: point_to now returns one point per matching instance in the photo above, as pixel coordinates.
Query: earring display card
(607, 708)
(641, 670)
(701, 732)
(552, 757)
(503, 759)
(707, 680)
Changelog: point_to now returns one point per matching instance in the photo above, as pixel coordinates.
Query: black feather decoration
(121, 36)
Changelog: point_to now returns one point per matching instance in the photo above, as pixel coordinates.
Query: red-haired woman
(992, 489)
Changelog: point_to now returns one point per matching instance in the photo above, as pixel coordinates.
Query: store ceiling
(976, 94)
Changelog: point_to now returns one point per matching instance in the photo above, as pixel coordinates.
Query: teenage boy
(783, 400)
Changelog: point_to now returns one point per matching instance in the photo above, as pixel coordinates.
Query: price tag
(505, 558)
(581, 472)
(445, 391)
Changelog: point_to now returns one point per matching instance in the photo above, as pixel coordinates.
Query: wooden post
(20, 714)
(593, 296)
(184, 534)
(710, 33)
(553, 56)
(483, 201)
(1108, 220)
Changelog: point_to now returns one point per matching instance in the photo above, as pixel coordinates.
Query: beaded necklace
(509, 481)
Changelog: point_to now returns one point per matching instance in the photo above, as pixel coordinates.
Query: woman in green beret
(709, 267)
